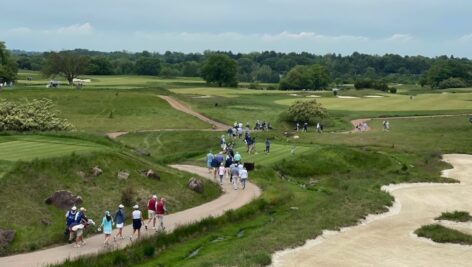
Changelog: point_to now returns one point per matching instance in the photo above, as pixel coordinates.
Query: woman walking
(120, 221)
(107, 226)
(137, 221)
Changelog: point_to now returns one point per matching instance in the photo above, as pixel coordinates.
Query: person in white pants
(243, 176)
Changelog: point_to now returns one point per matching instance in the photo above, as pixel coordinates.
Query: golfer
(120, 221)
(137, 221)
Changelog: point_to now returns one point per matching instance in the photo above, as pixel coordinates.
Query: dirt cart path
(230, 199)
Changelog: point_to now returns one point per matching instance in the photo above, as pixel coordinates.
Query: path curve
(230, 199)
(358, 121)
(388, 239)
(215, 126)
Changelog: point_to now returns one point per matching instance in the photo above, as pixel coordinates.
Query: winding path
(388, 239)
(215, 126)
(230, 199)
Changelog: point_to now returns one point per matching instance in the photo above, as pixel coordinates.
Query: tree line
(292, 70)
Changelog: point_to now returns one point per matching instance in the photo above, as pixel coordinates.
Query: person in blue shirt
(267, 146)
(107, 226)
(120, 221)
(210, 158)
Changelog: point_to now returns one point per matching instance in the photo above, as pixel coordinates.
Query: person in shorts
(107, 227)
(151, 212)
(137, 221)
(120, 221)
(160, 211)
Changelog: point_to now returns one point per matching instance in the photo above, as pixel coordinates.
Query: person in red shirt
(152, 205)
(160, 211)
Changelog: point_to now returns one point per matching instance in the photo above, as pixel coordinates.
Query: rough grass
(99, 111)
(441, 234)
(25, 187)
(456, 216)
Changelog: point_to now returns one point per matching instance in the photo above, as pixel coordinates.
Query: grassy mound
(456, 216)
(26, 185)
(441, 234)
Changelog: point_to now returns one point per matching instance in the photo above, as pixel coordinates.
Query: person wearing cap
(160, 211)
(152, 204)
(70, 218)
(120, 221)
(137, 221)
(80, 216)
(107, 226)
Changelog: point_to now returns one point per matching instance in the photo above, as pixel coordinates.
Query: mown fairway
(26, 148)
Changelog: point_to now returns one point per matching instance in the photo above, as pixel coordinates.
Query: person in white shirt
(137, 221)
(243, 176)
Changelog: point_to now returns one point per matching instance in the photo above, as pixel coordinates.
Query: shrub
(127, 196)
(452, 83)
(148, 250)
(441, 234)
(371, 84)
(393, 90)
(306, 111)
(36, 115)
(457, 216)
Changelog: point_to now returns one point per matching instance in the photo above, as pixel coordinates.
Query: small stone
(6, 237)
(151, 174)
(195, 185)
(46, 222)
(123, 175)
(142, 152)
(64, 199)
(96, 171)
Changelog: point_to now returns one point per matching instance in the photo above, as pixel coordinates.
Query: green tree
(313, 77)
(65, 63)
(445, 69)
(307, 111)
(147, 65)
(220, 69)
(100, 66)
(169, 72)
(265, 74)
(8, 66)
(191, 69)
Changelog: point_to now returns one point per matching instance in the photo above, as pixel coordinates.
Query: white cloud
(76, 29)
(466, 38)
(20, 30)
(401, 38)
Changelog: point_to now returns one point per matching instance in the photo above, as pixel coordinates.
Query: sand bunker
(313, 96)
(346, 97)
(373, 96)
(203, 96)
(388, 239)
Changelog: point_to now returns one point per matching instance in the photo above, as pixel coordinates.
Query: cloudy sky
(407, 27)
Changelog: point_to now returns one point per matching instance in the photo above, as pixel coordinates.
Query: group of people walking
(77, 221)
(304, 127)
(227, 165)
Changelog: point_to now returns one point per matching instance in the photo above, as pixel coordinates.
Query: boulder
(123, 175)
(142, 152)
(195, 185)
(151, 174)
(64, 199)
(6, 237)
(46, 222)
(96, 171)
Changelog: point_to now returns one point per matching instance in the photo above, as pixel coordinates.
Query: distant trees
(65, 63)
(371, 84)
(8, 66)
(99, 66)
(148, 65)
(449, 74)
(314, 77)
(221, 70)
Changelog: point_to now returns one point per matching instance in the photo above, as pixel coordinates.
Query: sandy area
(346, 97)
(373, 96)
(313, 96)
(230, 199)
(388, 239)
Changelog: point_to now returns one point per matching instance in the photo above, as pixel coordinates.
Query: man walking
(152, 203)
(243, 176)
(267, 146)
(160, 211)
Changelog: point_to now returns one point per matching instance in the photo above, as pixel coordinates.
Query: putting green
(14, 148)
(227, 92)
(448, 101)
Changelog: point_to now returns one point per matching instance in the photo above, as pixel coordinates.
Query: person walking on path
(120, 221)
(305, 127)
(318, 127)
(70, 218)
(160, 211)
(221, 172)
(223, 143)
(298, 127)
(107, 226)
(267, 146)
(151, 212)
(237, 157)
(210, 158)
(137, 221)
(234, 174)
(243, 176)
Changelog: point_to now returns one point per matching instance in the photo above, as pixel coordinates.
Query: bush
(452, 83)
(457, 216)
(441, 234)
(371, 84)
(36, 115)
(306, 111)
(127, 196)
(393, 90)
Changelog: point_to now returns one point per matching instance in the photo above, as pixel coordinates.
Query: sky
(406, 27)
